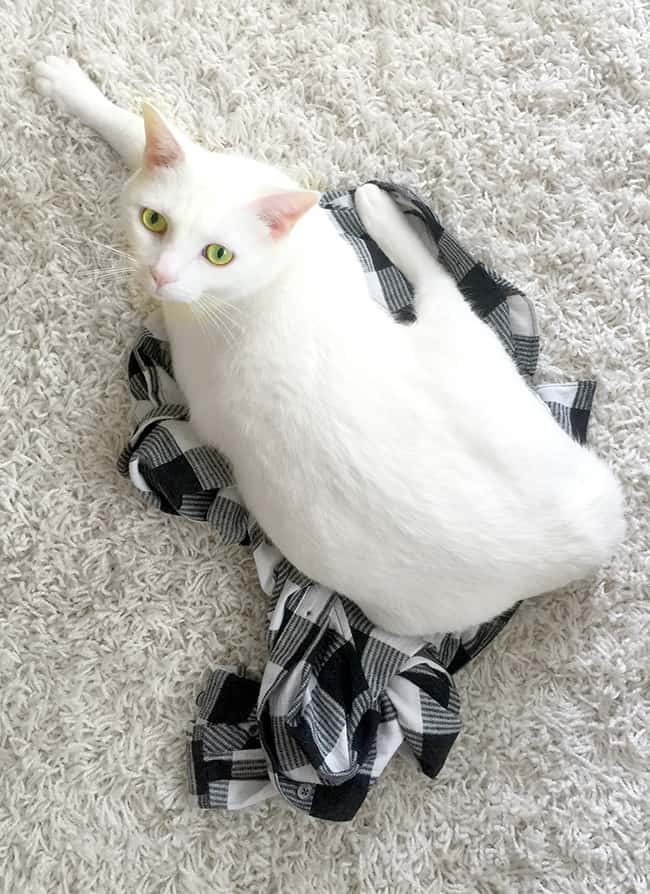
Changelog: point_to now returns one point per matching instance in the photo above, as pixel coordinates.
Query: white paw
(60, 78)
(378, 212)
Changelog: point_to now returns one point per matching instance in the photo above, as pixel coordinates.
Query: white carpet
(530, 129)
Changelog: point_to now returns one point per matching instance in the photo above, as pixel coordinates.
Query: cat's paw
(378, 212)
(60, 78)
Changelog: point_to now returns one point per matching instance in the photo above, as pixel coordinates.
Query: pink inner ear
(161, 149)
(282, 210)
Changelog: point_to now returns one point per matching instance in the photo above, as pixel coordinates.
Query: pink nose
(161, 277)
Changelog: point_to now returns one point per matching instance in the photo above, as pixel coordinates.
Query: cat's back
(435, 503)
(421, 477)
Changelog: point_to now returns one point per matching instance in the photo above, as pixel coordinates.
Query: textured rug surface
(529, 129)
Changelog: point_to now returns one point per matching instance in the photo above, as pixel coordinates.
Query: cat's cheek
(145, 250)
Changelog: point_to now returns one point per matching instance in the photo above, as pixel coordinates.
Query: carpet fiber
(530, 131)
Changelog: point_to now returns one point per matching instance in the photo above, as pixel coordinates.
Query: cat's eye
(153, 220)
(218, 254)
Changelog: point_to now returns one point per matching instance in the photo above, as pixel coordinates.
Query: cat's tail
(390, 228)
(597, 506)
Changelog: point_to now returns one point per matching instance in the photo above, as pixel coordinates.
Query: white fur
(410, 468)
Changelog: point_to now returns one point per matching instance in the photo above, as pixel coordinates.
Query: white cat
(409, 467)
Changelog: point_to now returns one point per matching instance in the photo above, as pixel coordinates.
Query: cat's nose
(161, 277)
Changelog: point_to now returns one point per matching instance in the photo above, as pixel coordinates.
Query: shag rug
(528, 126)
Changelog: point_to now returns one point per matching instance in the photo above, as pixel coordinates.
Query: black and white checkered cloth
(338, 696)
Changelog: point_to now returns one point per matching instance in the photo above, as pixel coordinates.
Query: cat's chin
(173, 302)
(171, 299)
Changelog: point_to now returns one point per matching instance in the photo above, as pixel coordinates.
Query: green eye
(153, 220)
(217, 254)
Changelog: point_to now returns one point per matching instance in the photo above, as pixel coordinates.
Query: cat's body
(409, 467)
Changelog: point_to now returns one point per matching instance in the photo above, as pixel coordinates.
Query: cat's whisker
(232, 335)
(234, 309)
(117, 278)
(200, 322)
(219, 320)
(106, 247)
(107, 273)
(222, 310)
(97, 280)
(189, 305)
(117, 251)
(214, 315)
(229, 315)
(193, 307)
(212, 327)
(219, 324)
(120, 266)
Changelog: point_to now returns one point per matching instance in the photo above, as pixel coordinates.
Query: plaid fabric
(338, 696)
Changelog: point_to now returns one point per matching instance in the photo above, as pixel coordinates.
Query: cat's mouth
(165, 289)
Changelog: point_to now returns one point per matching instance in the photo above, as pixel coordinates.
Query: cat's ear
(161, 148)
(281, 210)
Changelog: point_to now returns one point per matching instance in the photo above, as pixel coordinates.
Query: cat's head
(204, 225)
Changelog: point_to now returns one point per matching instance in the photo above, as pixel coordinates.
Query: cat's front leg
(60, 78)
